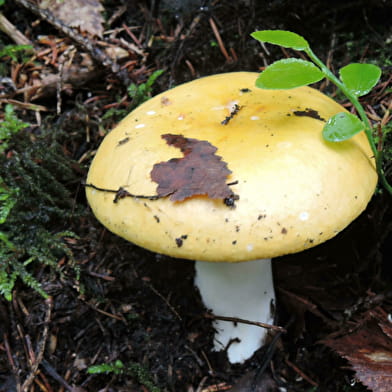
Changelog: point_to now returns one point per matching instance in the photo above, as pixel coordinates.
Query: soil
(113, 301)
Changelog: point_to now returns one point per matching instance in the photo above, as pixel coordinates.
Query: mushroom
(295, 190)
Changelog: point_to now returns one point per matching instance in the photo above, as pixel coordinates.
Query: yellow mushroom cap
(295, 189)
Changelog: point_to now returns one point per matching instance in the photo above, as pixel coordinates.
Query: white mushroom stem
(241, 290)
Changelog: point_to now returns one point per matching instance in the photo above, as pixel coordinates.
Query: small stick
(178, 53)
(41, 346)
(219, 39)
(115, 316)
(243, 321)
(133, 36)
(121, 193)
(191, 68)
(233, 54)
(11, 361)
(301, 373)
(154, 290)
(222, 386)
(8, 28)
(102, 276)
(66, 57)
(24, 105)
(53, 373)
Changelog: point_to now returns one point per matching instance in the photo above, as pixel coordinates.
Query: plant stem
(378, 155)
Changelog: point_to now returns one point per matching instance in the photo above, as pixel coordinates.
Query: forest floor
(135, 315)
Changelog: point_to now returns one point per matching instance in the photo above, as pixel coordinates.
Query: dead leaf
(83, 14)
(199, 172)
(369, 350)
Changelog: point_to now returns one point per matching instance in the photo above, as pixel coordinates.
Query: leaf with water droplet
(360, 78)
(289, 73)
(342, 126)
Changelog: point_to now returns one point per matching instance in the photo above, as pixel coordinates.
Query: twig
(191, 68)
(115, 316)
(201, 384)
(301, 373)
(208, 362)
(243, 321)
(41, 346)
(267, 358)
(24, 105)
(8, 28)
(98, 55)
(133, 36)
(53, 373)
(101, 276)
(66, 57)
(121, 193)
(177, 55)
(153, 289)
(233, 54)
(219, 39)
(11, 361)
(222, 386)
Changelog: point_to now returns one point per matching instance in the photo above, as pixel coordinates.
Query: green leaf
(5, 243)
(284, 38)
(142, 92)
(15, 51)
(342, 126)
(7, 200)
(7, 282)
(10, 125)
(289, 73)
(116, 368)
(360, 78)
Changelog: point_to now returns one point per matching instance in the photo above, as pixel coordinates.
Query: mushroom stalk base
(240, 290)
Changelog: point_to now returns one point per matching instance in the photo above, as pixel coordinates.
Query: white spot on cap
(255, 118)
(180, 117)
(140, 126)
(218, 107)
(232, 105)
(304, 215)
(249, 247)
(151, 112)
(284, 144)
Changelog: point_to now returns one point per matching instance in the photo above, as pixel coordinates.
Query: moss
(133, 369)
(36, 179)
